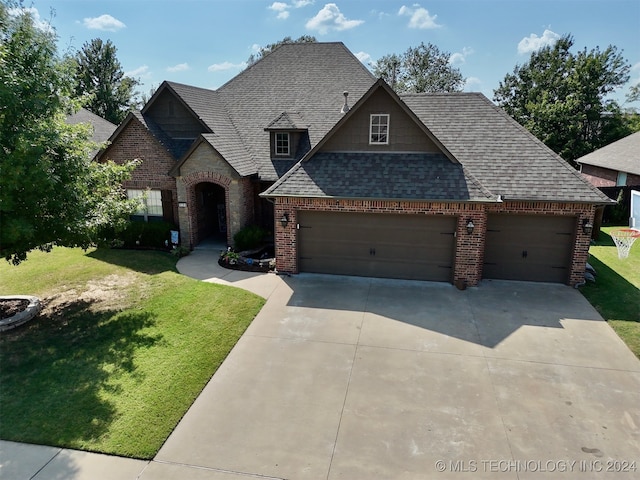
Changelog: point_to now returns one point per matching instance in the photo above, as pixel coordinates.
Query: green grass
(121, 350)
(616, 293)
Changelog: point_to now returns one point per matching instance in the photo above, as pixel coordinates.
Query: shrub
(147, 235)
(249, 237)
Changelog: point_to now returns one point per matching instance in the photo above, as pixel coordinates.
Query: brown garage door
(417, 247)
(529, 247)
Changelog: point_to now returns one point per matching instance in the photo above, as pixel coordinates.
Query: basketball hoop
(624, 239)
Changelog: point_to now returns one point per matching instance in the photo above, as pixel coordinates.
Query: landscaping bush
(147, 235)
(250, 237)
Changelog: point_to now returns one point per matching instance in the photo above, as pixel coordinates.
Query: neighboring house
(615, 165)
(102, 129)
(442, 187)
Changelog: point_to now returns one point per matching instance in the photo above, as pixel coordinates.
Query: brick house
(442, 187)
(615, 165)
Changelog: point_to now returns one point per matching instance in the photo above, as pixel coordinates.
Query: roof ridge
(172, 83)
(477, 182)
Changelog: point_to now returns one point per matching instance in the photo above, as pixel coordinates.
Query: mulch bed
(9, 308)
(255, 267)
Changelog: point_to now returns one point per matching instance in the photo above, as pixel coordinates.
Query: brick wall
(205, 165)
(604, 177)
(469, 254)
(135, 141)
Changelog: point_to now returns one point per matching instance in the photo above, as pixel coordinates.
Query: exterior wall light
(284, 220)
(587, 226)
(470, 227)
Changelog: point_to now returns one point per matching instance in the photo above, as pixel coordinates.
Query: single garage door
(529, 247)
(417, 247)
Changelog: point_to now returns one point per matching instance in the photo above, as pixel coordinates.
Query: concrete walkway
(355, 378)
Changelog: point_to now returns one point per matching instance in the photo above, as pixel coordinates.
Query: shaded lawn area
(121, 350)
(616, 293)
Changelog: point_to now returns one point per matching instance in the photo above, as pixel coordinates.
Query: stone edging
(21, 317)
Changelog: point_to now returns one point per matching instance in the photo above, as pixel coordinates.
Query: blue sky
(206, 42)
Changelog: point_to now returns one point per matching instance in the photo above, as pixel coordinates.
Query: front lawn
(616, 293)
(122, 348)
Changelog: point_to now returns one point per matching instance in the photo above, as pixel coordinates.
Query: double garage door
(422, 247)
(416, 247)
(529, 247)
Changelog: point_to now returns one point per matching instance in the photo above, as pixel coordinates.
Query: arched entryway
(210, 219)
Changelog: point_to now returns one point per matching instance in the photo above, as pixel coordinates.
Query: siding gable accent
(182, 110)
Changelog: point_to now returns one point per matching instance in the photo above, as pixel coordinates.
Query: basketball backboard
(634, 219)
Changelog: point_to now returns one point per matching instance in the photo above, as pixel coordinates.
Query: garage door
(529, 247)
(417, 247)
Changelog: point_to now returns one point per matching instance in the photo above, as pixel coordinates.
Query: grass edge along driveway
(616, 292)
(121, 350)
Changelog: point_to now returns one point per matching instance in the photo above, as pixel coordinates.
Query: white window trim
(275, 146)
(371, 133)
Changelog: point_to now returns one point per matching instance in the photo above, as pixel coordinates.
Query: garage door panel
(529, 247)
(379, 245)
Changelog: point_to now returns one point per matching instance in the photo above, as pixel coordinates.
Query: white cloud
(104, 22)
(533, 42)
(420, 17)
(471, 84)
(460, 57)
(35, 15)
(330, 18)
(219, 67)
(281, 8)
(181, 67)
(363, 57)
(140, 72)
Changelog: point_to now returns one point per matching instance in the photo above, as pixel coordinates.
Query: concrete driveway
(354, 378)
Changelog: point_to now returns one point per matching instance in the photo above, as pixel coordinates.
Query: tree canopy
(420, 69)
(561, 97)
(99, 76)
(51, 193)
(254, 57)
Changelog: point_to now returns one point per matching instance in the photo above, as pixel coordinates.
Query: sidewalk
(21, 461)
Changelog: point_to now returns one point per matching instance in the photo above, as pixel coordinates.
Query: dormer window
(282, 144)
(379, 129)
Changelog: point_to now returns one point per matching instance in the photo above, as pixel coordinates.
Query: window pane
(282, 144)
(154, 202)
(379, 129)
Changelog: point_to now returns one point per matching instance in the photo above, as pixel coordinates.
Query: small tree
(560, 97)
(51, 193)
(100, 77)
(424, 68)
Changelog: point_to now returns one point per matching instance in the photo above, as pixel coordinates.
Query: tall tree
(50, 190)
(561, 97)
(420, 69)
(254, 57)
(99, 76)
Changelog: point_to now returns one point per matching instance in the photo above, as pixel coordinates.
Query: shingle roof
(288, 121)
(397, 176)
(621, 156)
(102, 129)
(500, 153)
(309, 78)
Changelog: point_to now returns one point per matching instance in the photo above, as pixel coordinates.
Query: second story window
(282, 144)
(379, 129)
